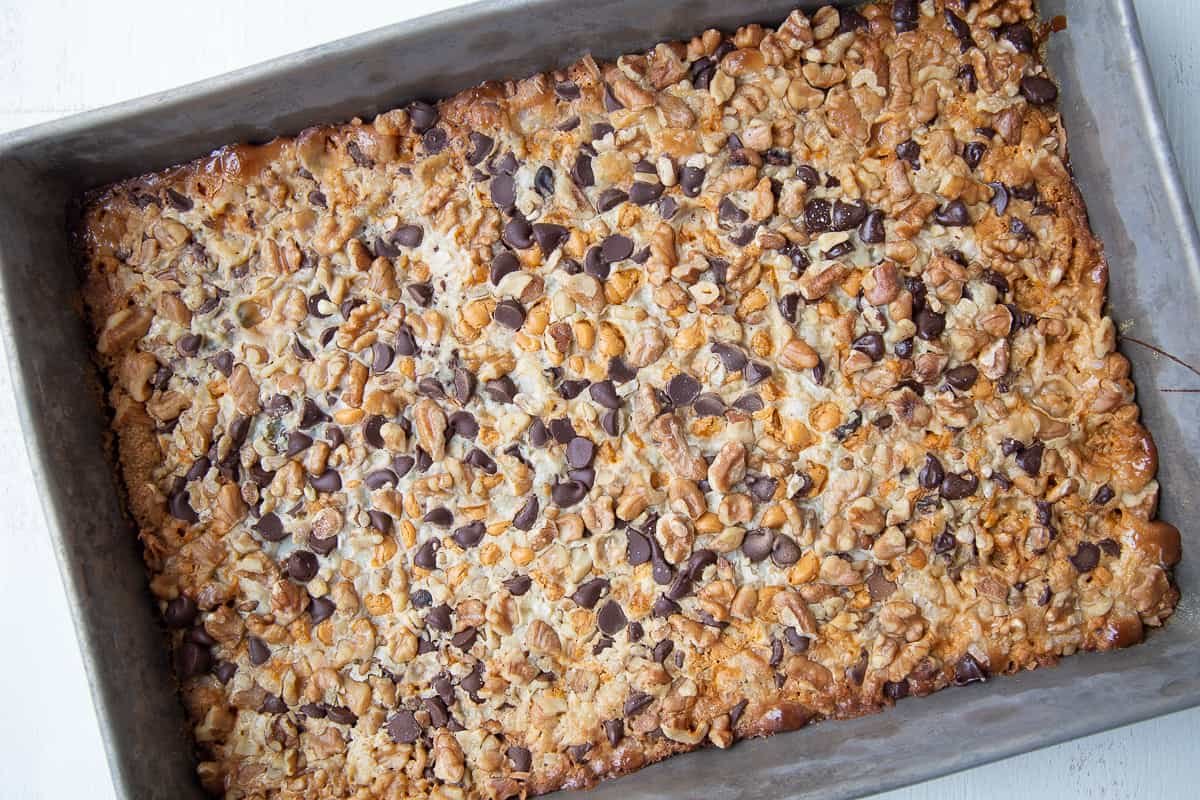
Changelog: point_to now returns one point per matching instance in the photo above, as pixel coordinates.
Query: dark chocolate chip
(1086, 557)
(847, 216)
(258, 651)
(179, 202)
(910, 151)
(818, 216)
(181, 612)
(438, 618)
(1030, 458)
(510, 314)
(870, 344)
(683, 389)
(569, 390)
(321, 609)
(403, 728)
(1103, 495)
(968, 670)
(1038, 90)
(785, 551)
(403, 465)
(643, 194)
(751, 403)
(957, 487)
(581, 170)
(568, 493)
(905, 15)
(757, 544)
(610, 423)
(690, 180)
(616, 248)
(610, 198)
(930, 324)
(421, 115)
(756, 372)
(302, 566)
(503, 192)
(180, 506)
(637, 701)
(962, 377)
(1019, 36)
(518, 234)
(709, 404)
(580, 452)
(590, 592)
(872, 230)
(953, 215)
(637, 547)
(611, 618)
(733, 358)
(328, 481)
(961, 30)
(931, 474)
(481, 147)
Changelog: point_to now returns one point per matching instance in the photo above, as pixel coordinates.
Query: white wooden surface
(58, 57)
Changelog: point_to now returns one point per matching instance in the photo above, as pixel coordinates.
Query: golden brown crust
(798, 397)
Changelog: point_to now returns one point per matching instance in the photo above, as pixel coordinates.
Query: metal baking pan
(1123, 164)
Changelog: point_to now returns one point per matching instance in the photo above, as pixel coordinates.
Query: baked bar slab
(520, 440)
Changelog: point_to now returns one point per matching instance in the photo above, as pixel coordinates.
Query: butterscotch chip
(506, 443)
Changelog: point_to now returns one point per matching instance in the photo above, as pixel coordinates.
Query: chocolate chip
(611, 103)
(1038, 90)
(962, 377)
(189, 344)
(180, 506)
(611, 619)
(580, 452)
(1030, 458)
(179, 202)
(610, 423)
(664, 607)
(321, 609)
(421, 115)
(510, 314)
(1019, 36)
(258, 651)
(569, 390)
(503, 191)
(709, 405)
(426, 555)
(847, 216)
(568, 493)
(408, 235)
(581, 170)
(302, 566)
(403, 465)
(957, 487)
(910, 151)
(562, 430)
(609, 199)
(438, 618)
(750, 403)
(637, 548)
(961, 30)
(1086, 557)
(403, 728)
(328, 481)
(421, 293)
(905, 15)
(192, 660)
(549, 237)
(785, 551)
(643, 194)
(1103, 495)
(757, 544)
(440, 516)
(637, 701)
(968, 670)
(372, 431)
(953, 215)
(872, 230)
(378, 519)
(728, 212)
(756, 372)
(763, 488)
(870, 344)
(469, 535)
(683, 389)
(616, 248)
(590, 592)
(481, 147)
(518, 234)
(931, 473)
(818, 216)
(181, 612)
(690, 180)
(733, 358)
(930, 324)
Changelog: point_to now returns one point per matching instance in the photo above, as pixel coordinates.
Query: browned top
(520, 441)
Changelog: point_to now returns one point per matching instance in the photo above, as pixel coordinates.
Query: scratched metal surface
(1135, 208)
